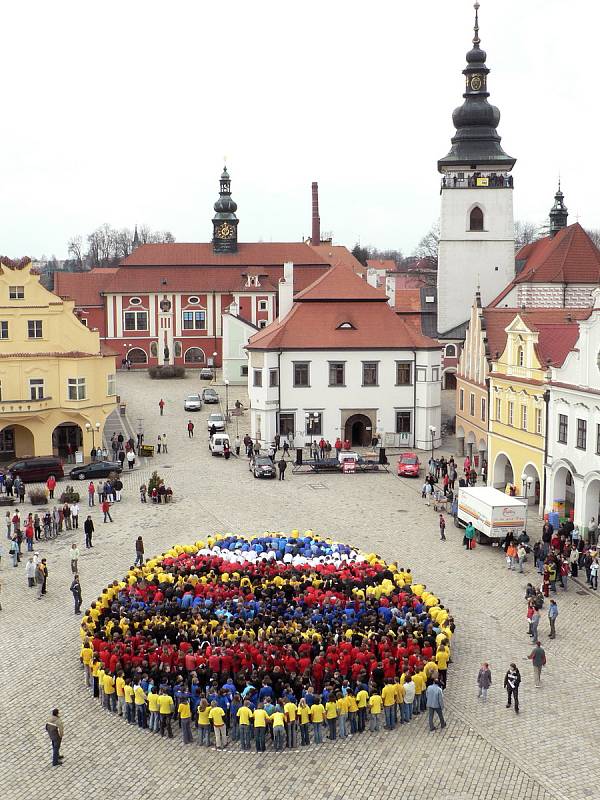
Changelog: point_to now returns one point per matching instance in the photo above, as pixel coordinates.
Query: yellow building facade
(517, 424)
(57, 383)
(472, 392)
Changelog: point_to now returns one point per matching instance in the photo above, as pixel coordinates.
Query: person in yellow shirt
(291, 726)
(139, 695)
(101, 684)
(317, 715)
(153, 708)
(260, 727)
(419, 682)
(303, 712)
(331, 714)
(441, 659)
(204, 722)
(277, 719)
(87, 656)
(129, 704)
(166, 706)
(185, 717)
(120, 686)
(342, 711)
(388, 695)
(352, 712)
(375, 706)
(244, 716)
(217, 716)
(362, 699)
(96, 665)
(108, 685)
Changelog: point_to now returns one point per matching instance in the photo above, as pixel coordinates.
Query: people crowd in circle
(278, 639)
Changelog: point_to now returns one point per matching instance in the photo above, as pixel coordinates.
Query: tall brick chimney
(316, 220)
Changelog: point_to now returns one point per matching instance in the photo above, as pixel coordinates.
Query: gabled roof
(318, 317)
(255, 254)
(568, 257)
(341, 283)
(408, 301)
(382, 263)
(83, 287)
(338, 254)
(558, 330)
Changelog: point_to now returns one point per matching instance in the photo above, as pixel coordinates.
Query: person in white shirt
(74, 555)
(30, 572)
(75, 514)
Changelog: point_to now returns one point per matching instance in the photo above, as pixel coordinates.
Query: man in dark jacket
(55, 730)
(88, 527)
(512, 679)
(139, 551)
(282, 465)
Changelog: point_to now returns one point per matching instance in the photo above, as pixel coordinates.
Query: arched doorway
(66, 439)
(503, 472)
(16, 442)
(358, 430)
(194, 355)
(137, 356)
(530, 485)
(591, 499)
(563, 491)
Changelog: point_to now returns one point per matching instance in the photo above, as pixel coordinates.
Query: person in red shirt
(51, 485)
(105, 506)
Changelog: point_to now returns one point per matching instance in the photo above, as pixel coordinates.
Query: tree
(75, 249)
(360, 254)
(107, 246)
(594, 234)
(429, 245)
(526, 233)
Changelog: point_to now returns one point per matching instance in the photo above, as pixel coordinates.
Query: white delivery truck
(492, 513)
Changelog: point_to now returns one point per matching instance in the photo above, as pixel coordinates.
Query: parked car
(216, 444)
(206, 374)
(409, 465)
(209, 396)
(262, 467)
(218, 420)
(34, 469)
(193, 402)
(97, 469)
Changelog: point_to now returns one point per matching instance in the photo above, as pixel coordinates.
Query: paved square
(548, 751)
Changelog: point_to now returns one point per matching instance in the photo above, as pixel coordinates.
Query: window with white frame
(111, 384)
(273, 377)
(337, 372)
(36, 388)
(524, 417)
(511, 409)
(244, 371)
(135, 301)
(263, 305)
(76, 388)
(193, 320)
(135, 320)
(472, 404)
(421, 374)
(435, 373)
(563, 428)
(403, 421)
(370, 371)
(483, 408)
(16, 292)
(498, 409)
(262, 323)
(4, 329)
(34, 328)
(581, 434)
(403, 373)
(538, 420)
(461, 400)
(257, 377)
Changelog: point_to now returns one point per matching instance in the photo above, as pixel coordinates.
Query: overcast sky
(122, 112)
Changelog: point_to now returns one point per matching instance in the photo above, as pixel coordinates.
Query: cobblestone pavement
(485, 752)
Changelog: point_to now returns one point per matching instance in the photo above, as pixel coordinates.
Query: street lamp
(227, 400)
(93, 429)
(527, 480)
(311, 420)
(432, 431)
(214, 364)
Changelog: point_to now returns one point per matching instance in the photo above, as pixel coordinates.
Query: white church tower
(476, 247)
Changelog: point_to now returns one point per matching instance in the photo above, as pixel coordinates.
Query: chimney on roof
(316, 220)
(285, 298)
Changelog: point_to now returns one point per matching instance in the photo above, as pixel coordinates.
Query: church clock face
(476, 83)
(225, 231)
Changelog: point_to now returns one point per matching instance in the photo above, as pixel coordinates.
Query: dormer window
(346, 326)
(252, 280)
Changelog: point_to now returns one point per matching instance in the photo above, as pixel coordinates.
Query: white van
(492, 513)
(216, 444)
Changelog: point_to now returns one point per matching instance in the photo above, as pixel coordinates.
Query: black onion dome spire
(559, 213)
(225, 221)
(225, 204)
(476, 142)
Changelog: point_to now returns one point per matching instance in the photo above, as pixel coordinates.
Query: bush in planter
(155, 480)
(166, 372)
(38, 497)
(69, 495)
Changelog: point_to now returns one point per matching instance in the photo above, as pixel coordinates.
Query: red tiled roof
(407, 281)
(340, 283)
(339, 297)
(256, 254)
(83, 287)
(557, 327)
(408, 301)
(382, 263)
(569, 257)
(338, 254)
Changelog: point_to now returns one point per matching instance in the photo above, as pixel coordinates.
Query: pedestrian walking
(442, 528)
(533, 624)
(190, 429)
(484, 680)
(164, 443)
(435, 704)
(55, 730)
(158, 444)
(237, 444)
(41, 575)
(161, 405)
(106, 510)
(75, 589)
(282, 466)
(552, 615)
(74, 556)
(139, 551)
(130, 458)
(512, 679)
(538, 660)
(88, 528)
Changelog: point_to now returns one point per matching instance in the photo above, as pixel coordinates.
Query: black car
(262, 467)
(97, 469)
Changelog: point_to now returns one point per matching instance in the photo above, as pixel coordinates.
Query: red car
(409, 465)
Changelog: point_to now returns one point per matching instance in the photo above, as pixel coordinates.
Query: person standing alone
(484, 680)
(190, 429)
(88, 527)
(442, 528)
(435, 704)
(512, 679)
(282, 466)
(552, 615)
(55, 730)
(139, 551)
(538, 660)
(161, 405)
(76, 592)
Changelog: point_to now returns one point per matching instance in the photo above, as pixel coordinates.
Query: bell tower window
(476, 219)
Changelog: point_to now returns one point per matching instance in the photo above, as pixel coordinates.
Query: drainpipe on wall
(277, 423)
(487, 425)
(547, 401)
(414, 398)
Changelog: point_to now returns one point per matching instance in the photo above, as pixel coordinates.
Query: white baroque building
(573, 461)
(339, 362)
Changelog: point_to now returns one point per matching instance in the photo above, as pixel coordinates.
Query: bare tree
(75, 249)
(429, 245)
(594, 234)
(526, 233)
